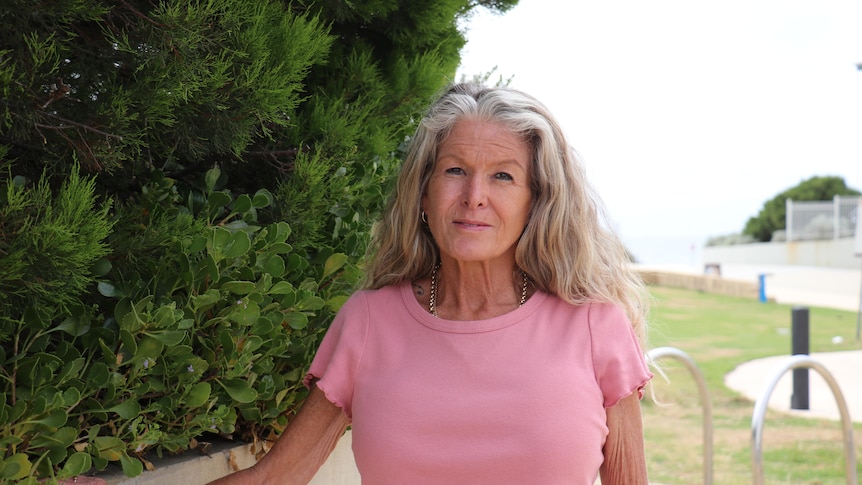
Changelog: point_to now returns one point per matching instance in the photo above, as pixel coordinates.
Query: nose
(475, 192)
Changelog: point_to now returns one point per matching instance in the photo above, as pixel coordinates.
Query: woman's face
(478, 198)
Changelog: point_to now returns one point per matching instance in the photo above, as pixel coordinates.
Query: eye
(454, 171)
(503, 176)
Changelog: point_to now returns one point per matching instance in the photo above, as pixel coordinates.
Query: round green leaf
(54, 419)
(242, 203)
(274, 265)
(336, 302)
(205, 300)
(219, 238)
(262, 198)
(239, 226)
(311, 303)
(334, 263)
(98, 375)
(265, 325)
(197, 395)
(245, 313)
(216, 200)
(15, 467)
(75, 326)
(239, 390)
(62, 438)
(168, 337)
(295, 262)
(281, 288)
(280, 248)
(130, 345)
(102, 267)
(131, 467)
(296, 320)
(109, 447)
(238, 287)
(126, 409)
(148, 348)
(278, 232)
(211, 178)
(71, 396)
(8, 441)
(77, 464)
(238, 245)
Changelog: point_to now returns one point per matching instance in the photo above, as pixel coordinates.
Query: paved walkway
(809, 286)
(751, 378)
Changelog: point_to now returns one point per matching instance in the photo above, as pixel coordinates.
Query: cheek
(521, 206)
(439, 197)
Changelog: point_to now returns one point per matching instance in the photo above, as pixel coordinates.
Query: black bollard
(799, 345)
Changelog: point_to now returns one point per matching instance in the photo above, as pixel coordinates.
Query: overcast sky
(689, 114)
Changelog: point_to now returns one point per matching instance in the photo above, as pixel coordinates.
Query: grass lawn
(719, 333)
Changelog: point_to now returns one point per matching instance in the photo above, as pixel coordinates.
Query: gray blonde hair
(567, 248)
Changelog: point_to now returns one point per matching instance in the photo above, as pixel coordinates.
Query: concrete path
(751, 378)
(804, 285)
(811, 286)
(794, 285)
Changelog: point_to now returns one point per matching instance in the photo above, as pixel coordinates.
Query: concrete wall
(194, 468)
(832, 253)
(704, 283)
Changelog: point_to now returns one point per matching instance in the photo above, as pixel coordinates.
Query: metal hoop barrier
(794, 362)
(706, 403)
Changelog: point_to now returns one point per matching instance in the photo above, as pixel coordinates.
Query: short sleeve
(618, 360)
(337, 360)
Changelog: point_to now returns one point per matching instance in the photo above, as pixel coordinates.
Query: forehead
(489, 138)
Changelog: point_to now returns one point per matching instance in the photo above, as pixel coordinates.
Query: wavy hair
(568, 248)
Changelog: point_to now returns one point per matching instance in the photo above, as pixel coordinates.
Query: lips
(471, 224)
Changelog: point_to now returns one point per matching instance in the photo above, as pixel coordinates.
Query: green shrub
(48, 242)
(222, 349)
(161, 300)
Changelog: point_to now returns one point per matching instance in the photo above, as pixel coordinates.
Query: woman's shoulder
(388, 291)
(375, 297)
(590, 308)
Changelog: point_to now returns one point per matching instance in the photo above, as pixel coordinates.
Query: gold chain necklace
(435, 275)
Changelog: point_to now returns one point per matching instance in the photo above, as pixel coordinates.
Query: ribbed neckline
(469, 326)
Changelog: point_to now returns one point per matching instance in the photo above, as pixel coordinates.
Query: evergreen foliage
(50, 243)
(773, 216)
(187, 193)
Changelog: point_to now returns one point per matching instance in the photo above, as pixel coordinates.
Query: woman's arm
(303, 447)
(625, 463)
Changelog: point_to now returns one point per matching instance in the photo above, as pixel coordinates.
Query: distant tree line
(772, 217)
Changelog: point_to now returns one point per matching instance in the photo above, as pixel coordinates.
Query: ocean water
(667, 250)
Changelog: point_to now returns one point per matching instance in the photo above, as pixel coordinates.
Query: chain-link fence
(811, 220)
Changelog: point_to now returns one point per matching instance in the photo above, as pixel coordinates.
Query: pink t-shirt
(517, 399)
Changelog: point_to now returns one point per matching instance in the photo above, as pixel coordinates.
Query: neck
(457, 294)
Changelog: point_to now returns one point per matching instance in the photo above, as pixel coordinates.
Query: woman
(497, 338)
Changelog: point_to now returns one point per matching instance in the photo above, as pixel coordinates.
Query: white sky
(689, 114)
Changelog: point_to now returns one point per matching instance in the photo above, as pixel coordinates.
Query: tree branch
(75, 123)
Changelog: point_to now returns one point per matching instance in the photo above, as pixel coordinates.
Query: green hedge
(215, 340)
(186, 194)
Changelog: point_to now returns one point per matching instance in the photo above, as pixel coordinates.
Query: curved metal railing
(706, 403)
(794, 362)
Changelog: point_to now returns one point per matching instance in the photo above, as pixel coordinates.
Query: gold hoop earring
(424, 217)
